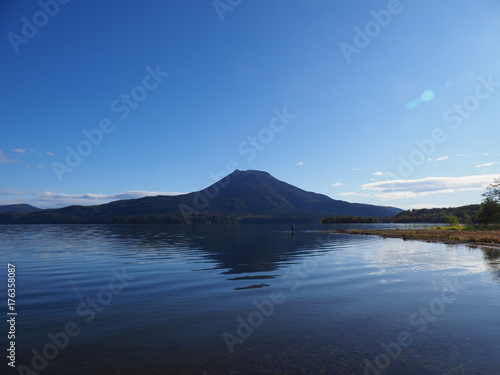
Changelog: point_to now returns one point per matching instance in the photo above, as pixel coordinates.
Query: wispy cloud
(487, 164)
(378, 173)
(4, 159)
(337, 184)
(442, 158)
(401, 189)
(50, 154)
(19, 150)
(356, 169)
(300, 163)
(9, 191)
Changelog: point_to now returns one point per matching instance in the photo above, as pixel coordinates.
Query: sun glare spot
(427, 95)
(413, 104)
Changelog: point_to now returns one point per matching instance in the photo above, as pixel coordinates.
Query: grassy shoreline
(447, 235)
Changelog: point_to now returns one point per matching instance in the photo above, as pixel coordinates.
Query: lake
(246, 299)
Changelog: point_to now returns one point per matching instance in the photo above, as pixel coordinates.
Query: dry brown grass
(438, 235)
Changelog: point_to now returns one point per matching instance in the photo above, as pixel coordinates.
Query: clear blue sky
(355, 84)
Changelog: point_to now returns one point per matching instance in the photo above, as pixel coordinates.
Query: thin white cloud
(378, 173)
(4, 159)
(19, 150)
(50, 154)
(442, 158)
(401, 189)
(356, 169)
(487, 164)
(337, 184)
(300, 163)
(9, 191)
(40, 166)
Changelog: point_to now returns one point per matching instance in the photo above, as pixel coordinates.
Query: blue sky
(382, 102)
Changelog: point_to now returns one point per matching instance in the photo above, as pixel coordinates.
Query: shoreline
(480, 238)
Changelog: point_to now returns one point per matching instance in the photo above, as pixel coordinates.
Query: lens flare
(427, 95)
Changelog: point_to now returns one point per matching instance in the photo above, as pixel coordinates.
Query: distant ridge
(242, 196)
(18, 208)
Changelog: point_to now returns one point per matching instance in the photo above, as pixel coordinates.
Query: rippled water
(248, 299)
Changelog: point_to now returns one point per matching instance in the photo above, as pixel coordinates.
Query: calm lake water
(247, 299)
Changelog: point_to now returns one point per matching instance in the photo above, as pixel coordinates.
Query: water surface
(249, 299)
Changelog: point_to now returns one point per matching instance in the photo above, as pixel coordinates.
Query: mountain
(242, 196)
(18, 208)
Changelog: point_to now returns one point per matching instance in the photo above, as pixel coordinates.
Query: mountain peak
(240, 196)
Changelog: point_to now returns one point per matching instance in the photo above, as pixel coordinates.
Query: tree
(452, 220)
(489, 212)
(493, 191)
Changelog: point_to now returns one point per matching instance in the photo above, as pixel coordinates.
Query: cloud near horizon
(402, 189)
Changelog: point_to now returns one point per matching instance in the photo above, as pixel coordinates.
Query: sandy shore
(489, 238)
